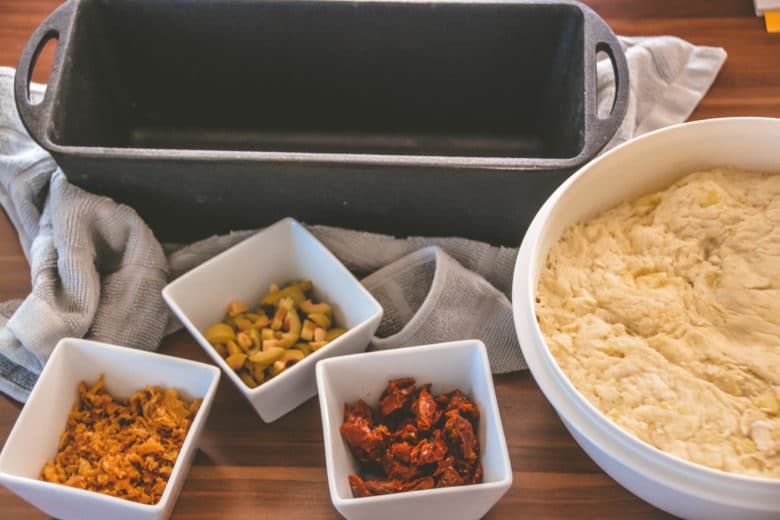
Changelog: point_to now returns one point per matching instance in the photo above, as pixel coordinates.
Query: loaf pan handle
(36, 116)
(601, 38)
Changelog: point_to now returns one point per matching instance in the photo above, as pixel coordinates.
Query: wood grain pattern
(247, 469)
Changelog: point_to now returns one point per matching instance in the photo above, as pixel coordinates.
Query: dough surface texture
(664, 312)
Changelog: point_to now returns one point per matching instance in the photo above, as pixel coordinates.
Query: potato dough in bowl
(664, 312)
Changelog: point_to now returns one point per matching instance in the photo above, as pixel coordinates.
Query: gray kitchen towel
(667, 79)
(430, 297)
(97, 270)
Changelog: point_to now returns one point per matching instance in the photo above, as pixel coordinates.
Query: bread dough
(665, 314)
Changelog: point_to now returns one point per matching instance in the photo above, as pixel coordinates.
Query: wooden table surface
(247, 469)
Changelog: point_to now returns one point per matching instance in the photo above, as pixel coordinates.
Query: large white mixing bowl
(649, 163)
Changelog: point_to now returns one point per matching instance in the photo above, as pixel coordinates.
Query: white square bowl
(448, 366)
(35, 437)
(280, 253)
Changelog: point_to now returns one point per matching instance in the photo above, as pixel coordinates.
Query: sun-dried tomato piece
(447, 475)
(401, 451)
(476, 476)
(407, 432)
(425, 409)
(358, 486)
(384, 487)
(420, 483)
(429, 451)
(360, 409)
(366, 442)
(396, 396)
(397, 468)
(458, 401)
(461, 433)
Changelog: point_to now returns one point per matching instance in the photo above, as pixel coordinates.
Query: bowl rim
(550, 377)
(329, 437)
(294, 226)
(60, 350)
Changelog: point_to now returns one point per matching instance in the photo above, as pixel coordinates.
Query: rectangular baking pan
(406, 117)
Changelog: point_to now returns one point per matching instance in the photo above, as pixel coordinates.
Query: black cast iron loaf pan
(408, 117)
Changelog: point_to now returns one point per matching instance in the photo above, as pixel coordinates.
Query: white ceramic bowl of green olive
(267, 309)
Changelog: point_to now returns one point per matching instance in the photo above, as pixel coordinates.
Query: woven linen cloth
(97, 270)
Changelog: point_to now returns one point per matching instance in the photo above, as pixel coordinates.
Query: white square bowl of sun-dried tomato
(439, 457)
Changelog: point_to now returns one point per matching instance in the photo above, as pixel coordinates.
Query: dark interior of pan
(481, 80)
